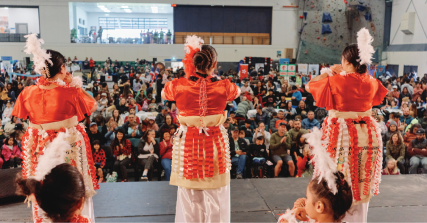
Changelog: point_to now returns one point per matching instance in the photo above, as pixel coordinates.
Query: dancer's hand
(300, 203)
(301, 214)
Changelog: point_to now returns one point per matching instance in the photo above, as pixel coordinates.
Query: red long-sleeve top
(99, 157)
(165, 149)
(126, 150)
(91, 63)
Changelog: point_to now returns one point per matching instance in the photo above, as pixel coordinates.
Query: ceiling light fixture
(125, 7)
(128, 10)
(154, 9)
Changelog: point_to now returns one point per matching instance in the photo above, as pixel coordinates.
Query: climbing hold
(301, 16)
(326, 29)
(327, 17)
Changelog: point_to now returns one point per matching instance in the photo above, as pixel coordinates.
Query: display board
(303, 68)
(287, 70)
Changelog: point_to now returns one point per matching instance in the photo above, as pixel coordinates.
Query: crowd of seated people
(133, 128)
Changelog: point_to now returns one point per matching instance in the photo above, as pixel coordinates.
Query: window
(132, 23)
(16, 22)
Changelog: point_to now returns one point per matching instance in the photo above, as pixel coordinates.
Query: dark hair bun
(205, 58)
(58, 60)
(59, 194)
(340, 202)
(351, 54)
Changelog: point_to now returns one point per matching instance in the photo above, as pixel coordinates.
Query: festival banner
(244, 70)
(380, 70)
(313, 70)
(303, 69)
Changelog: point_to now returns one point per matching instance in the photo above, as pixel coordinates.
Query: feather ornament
(40, 56)
(364, 43)
(53, 156)
(324, 164)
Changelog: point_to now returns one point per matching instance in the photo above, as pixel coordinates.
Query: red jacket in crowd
(166, 149)
(91, 63)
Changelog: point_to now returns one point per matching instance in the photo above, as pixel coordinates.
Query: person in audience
(302, 107)
(94, 134)
(131, 128)
(293, 133)
(304, 166)
(260, 115)
(418, 90)
(148, 148)
(280, 149)
(258, 153)
(115, 93)
(290, 112)
(11, 153)
(133, 112)
(246, 88)
(242, 136)
(248, 128)
(134, 105)
(405, 94)
(123, 106)
(7, 113)
(161, 117)
(166, 153)
(118, 118)
(14, 124)
(391, 168)
(122, 152)
(409, 88)
(405, 119)
(153, 106)
(423, 120)
(238, 152)
(243, 107)
(310, 122)
(152, 125)
(296, 96)
(261, 131)
(380, 120)
(417, 152)
(270, 99)
(61, 194)
(411, 134)
(166, 125)
(111, 132)
(395, 150)
(100, 122)
(274, 123)
(99, 158)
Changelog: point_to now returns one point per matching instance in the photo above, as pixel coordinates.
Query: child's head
(96, 145)
(60, 194)
(10, 141)
(247, 123)
(242, 134)
(393, 103)
(391, 164)
(8, 104)
(322, 202)
(153, 100)
(260, 140)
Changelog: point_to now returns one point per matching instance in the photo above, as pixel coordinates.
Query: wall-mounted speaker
(407, 23)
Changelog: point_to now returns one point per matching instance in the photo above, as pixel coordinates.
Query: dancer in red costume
(350, 139)
(56, 104)
(201, 155)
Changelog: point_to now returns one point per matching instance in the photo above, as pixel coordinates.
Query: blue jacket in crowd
(307, 124)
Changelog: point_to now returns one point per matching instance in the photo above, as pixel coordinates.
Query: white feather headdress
(54, 155)
(40, 56)
(364, 43)
(193, 42)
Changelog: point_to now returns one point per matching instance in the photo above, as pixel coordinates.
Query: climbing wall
(328, 26)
